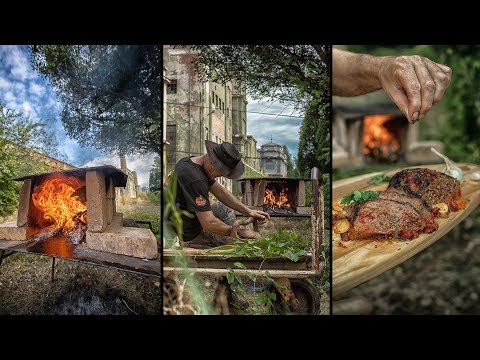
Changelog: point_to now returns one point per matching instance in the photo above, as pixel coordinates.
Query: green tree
(155, 182)
(292, 73)
(290, 169)
(18, 136)
(111, 94)
(314, 144)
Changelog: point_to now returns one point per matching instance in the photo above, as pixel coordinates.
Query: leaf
(251, 276)
(272, 296)
(359, 197)
(230, 276)
(378, 179)
(239, 265)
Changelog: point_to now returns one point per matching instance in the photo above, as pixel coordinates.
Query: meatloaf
(431, 186)
(384, 219)
(417, 203)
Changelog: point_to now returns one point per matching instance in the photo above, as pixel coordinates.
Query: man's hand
(261, 216)
(248, 234)
(414, 83)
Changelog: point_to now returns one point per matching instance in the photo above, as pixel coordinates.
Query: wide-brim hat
(226, 159)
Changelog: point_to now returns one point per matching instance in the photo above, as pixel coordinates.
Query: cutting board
(355, 262)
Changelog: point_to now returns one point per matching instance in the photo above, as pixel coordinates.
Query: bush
(154, 197)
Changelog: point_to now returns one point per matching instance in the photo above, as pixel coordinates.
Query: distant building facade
(131, 188)
(273, 160)
(199, 110)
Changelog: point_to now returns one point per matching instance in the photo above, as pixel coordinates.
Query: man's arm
(227, 198)
(414, 83)
(214, 225)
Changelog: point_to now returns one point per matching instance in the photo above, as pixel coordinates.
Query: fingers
(415, 84)
(427, 87)
(261, 215)
(406, 76)
(442, 75)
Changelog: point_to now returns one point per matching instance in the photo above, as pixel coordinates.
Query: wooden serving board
(355, 262)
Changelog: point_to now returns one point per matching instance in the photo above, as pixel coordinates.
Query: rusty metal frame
(318, 238)
(88, 256)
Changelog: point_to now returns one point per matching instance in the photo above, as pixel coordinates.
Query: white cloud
(284, 130)
(19, 65)
(139, 163)
(4, 83)
(8, 96)
(36, 89)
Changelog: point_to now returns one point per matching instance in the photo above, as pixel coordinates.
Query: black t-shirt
(192, 194)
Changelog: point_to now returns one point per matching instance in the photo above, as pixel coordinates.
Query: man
(196, 178)
(414, 83)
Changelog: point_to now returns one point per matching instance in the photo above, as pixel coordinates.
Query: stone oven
(77, 208)
(277, 196)
(377, 134)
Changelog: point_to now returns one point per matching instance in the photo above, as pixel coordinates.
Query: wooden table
(354, 262)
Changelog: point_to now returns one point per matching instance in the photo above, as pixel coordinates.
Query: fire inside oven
(276, 196)
(383, 137)
(279, 198)
(58, 207)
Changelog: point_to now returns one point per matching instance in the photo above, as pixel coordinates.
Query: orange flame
(56, 200)
(377, 139)
(273, 200)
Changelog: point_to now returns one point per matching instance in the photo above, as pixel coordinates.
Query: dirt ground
(26, 287)
(442, 279)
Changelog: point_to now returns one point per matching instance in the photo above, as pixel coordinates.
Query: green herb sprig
(378, 179)
(359, 197)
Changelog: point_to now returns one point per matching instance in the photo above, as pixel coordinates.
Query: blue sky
(283, 129)
(23, 89)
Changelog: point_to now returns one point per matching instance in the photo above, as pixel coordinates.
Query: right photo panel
(405, 179)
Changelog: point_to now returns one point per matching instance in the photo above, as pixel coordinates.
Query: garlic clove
(475, 176)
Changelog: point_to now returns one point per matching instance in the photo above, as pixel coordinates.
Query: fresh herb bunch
(359, 197)
(378, 179)
(280, 244)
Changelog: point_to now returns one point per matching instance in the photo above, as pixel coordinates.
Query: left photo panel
(246, 185)
(80, 179)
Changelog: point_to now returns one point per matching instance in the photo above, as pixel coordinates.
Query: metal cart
(290, 277)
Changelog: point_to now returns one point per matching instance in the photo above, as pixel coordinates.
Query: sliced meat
(385, 219)
(417, 203)
(432, 186)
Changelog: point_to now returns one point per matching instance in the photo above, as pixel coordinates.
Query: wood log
(45, 234)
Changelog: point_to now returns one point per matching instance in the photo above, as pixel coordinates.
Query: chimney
(123, 163)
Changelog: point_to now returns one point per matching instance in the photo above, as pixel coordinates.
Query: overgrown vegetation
(279, 244)
(19, 135)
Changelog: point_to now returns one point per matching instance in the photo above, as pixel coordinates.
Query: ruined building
(197, 110)
(131, 188)
(273, 160)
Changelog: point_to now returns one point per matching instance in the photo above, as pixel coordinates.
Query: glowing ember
(274, 200)
(378, 139)
(55, 200)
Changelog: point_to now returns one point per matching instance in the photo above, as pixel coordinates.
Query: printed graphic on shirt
(200, 201)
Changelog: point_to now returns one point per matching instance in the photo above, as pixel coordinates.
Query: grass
(26, 287)
(144, 213)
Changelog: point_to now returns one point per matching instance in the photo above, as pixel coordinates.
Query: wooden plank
(355, 262)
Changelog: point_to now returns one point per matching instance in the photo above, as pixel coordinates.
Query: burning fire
(56, 201)
(377, 138)
(273, 200)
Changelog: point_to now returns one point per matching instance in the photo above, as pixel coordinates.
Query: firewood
(46, 234)
(76, 236)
